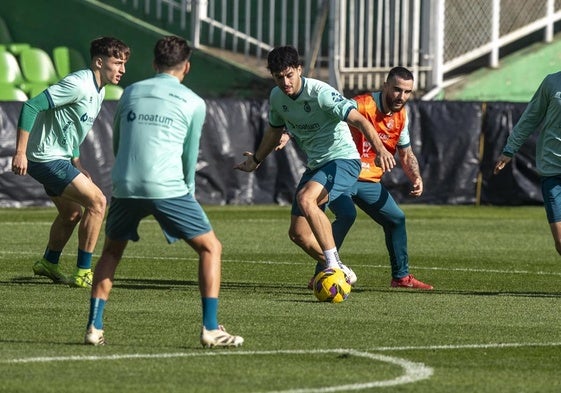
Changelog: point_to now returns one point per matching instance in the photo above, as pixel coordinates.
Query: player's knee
(306, 203)
(207, 244)
(98, 204)
(216, 247)
(400, 219)
(397, 219)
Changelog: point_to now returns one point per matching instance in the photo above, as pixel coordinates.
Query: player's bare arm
(270, 141)
(384, 159)
(410, 166)
(19, 160)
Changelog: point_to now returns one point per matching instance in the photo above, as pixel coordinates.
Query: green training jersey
(58, 132)
(316, 120)
(156, 137)
(544, 108)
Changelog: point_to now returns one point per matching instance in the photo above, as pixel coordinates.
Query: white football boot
(219, 338)
(349, 274)
(94, 336)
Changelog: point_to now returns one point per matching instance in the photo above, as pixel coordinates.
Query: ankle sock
(95, 318)
(52, 256)
(210, 313)
(84, 260)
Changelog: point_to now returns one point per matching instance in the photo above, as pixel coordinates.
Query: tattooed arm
(410, 166)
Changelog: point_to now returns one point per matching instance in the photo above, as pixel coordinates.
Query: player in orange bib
(386, 111)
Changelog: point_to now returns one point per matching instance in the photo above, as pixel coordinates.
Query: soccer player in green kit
(316, 115)
(51, 128)
(157, 130)
(543, 109)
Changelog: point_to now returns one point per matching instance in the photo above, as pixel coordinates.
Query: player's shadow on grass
(291, 293)
(150, 283)
(437, 292)
(114, 344)
(135, 283)
(289, 289)
(35, 280)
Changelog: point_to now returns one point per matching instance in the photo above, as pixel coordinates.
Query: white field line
(412, 371)
(309, 263)
(47, 359)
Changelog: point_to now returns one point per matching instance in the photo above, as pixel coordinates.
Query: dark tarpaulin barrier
(232, 127)
(15, 191)
(518, 183)
(445, 136)
(449, 153)
(445, 139)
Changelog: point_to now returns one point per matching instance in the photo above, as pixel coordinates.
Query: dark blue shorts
(551, 191)
(337, 177)
(55, 175)
(179, 218)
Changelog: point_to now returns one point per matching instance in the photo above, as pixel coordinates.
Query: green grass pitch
(492, 324)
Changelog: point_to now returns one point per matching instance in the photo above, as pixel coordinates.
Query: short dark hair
(400, 72)
(171, 51)
(110, 47)
(283, 57)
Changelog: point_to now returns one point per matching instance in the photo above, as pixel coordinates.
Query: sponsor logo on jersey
(150, 118)
(305, 126)
(86, 118)
(337, 97)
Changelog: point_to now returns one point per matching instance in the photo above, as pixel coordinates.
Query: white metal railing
(366, 47)
(501, 23)
(359, 41)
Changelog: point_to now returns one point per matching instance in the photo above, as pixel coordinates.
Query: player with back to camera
(543, 109)
(51, 128)
(316, 115)
(154, 174)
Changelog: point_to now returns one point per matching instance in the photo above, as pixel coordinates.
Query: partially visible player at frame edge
(543, 109)
(154, 174)
(316, 115)
(51, 128)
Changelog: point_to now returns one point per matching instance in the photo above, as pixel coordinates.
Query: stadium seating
(11, 93)
(67, 60)
(37, 66)
(25, 71)
(14, 48)
(10, 72)
(113, 92)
